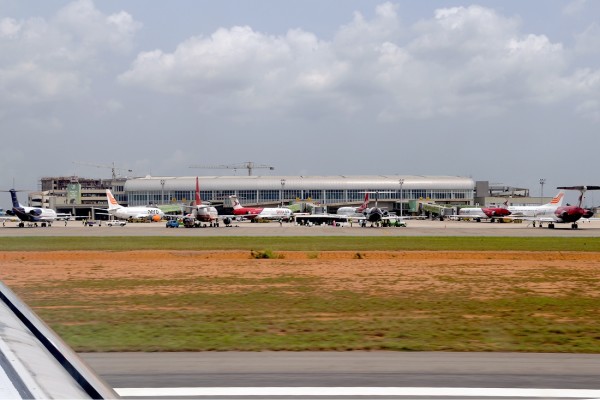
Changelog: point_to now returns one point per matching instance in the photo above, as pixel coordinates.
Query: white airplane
(554, 212)
(258, 213)
(354, 211)
(45, 216)
(203, 212)
(118, 211)
(479, 213)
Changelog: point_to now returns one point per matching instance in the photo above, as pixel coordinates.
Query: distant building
(77, 195)
(332, 191)
(84, 196)
(487, 194)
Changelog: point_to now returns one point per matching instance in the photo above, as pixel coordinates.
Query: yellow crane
(249, 165)
(112, 167)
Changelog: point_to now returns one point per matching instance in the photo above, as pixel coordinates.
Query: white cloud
(9, 28)
(30, 83)
(574, 7)
(462, 60)
(588, 41)
(89, 30)
(53, 59)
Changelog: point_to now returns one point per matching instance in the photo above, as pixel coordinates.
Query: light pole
(162, 192)
(542, 181)
(282, 186)
(401, 181)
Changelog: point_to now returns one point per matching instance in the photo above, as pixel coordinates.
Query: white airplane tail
(112, 202)
(557, 200)
(236, 203)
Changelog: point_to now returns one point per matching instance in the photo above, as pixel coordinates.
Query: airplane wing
(36, 363)
(456, 216)
(321, 217)
(383, 218)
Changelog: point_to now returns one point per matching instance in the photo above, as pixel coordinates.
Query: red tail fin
(198, 199)
(365, 203)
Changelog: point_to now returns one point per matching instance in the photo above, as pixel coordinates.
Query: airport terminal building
(389, 190)
(84, 196)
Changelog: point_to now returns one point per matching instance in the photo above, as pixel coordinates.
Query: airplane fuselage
(250, 212)
(136, 212)
(206, 213)
(375, 214)
(263, 213)
(484, 212)
(275, 213)
(33, 214)
(562, 214)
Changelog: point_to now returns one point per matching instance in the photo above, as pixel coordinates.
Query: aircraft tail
(112, 202)
(365, 204)
(198, 199)
(13, 196)
(236, 203)
(557, 200)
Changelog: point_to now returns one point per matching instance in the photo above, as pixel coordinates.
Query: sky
(505, 91)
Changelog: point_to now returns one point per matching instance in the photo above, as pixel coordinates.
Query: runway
(414, 228)
(386, 375)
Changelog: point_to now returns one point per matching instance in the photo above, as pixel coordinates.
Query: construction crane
(249, 165)
(112, 167)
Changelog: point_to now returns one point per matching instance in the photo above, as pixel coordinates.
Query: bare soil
(386, 271)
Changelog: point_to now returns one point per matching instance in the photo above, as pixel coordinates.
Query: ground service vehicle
(116, 223)
(172, 224)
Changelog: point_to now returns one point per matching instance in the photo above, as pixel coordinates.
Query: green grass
(296, 312)
(301, 317)
(300, 243)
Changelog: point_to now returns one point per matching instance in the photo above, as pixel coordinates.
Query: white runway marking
(360, 391)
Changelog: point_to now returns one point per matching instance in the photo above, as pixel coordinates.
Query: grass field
(290, 311)
(300, 243)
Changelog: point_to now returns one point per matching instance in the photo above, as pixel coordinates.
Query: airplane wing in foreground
(35, 363)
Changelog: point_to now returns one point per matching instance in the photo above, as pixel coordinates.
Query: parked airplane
(355, 211)
(119, 211)
(45, 216)
(258, 213)
(554, 212)
(479, 213)
(374, 215)
(204, 212)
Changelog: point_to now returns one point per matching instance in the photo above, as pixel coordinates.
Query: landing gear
(551, 226)
(574, 225)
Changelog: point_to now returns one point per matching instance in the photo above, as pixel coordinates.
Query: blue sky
(505, 91)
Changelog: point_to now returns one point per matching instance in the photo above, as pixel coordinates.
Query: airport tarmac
(245, 228)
